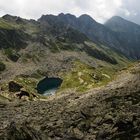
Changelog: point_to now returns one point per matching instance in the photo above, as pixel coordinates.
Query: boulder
(78, 134)
(23, 94)
(14, 87)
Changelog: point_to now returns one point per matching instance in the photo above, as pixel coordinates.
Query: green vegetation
(11, 54)
(84, 77)
(104, 53)
(99, 53)
(4, 99)
(5, 25)
(30, 57)
(75, 36)
(29, 84)
(2, 66)
(53, 46)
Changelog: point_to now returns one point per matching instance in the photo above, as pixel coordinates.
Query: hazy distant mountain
(119, 24)
(128, 34)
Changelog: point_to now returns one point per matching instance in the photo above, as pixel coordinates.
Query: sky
(100, 10)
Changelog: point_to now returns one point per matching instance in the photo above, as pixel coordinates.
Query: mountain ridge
(100, 33)
(99, 94)
(91, 29)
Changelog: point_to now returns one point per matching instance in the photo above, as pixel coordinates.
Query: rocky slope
(31, 50)
(109, 112)
(87, 105)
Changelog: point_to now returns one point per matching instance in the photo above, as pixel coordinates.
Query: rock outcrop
(14, 87)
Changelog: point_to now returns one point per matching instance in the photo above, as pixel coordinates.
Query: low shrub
(2, 66)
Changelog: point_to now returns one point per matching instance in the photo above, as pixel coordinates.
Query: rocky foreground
(109, 112)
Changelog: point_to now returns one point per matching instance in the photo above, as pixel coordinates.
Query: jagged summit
(61, 16)
(7, 16)
(86, 18)
(17, 19)
(66, 15)
(117, 18)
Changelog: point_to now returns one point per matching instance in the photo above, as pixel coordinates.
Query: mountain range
(117, 33)
(93, 65)
(53, 44)
(65, 38)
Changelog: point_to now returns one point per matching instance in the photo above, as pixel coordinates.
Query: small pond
(49, 86)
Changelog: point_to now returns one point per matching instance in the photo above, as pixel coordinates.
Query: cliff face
(85, 24)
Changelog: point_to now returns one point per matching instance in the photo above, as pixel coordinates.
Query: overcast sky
(100, 10)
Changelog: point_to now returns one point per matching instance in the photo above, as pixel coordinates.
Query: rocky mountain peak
(16, 19)
(67, 15)
(86, 18)
(116, 18)
(9, 17)
(118, 24)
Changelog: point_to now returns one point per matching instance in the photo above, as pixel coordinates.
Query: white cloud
(100, 10)
(126, 12)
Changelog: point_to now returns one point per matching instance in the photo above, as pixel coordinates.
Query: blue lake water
(49, 86)
(50, 92)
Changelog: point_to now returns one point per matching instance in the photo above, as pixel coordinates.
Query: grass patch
(54, 48)
(84, 77)
(30, 57)
(29, 85)
(4, 99)
(5, 25)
